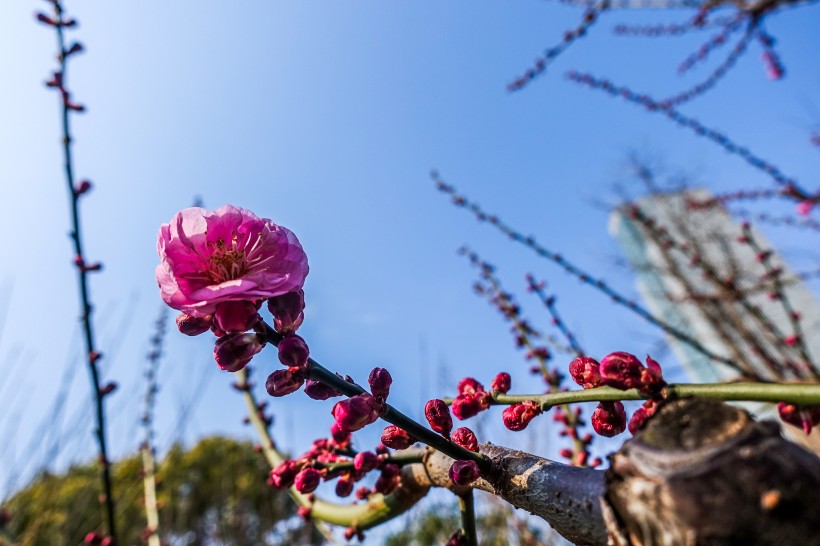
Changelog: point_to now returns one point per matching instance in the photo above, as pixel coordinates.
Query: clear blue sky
(327, 117)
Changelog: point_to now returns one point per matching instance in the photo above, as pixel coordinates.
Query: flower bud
(365, 461)
(397, 438)
(233, 352)
(465, 438)
(293, 351)
(800, 416)
(85, 185)
(355, 412)
(518, 416)
(235, 316)
(108, 389)
(640, 416)
(305, 512)
(287, 311)
(438, 415)
(344, 486)
(283, 475)
(362, 493)
(468, 385)
(76, 47)
(319, 391)
(609, 419)
(458, 538)
(283, 382)
(468, 405)
(193, 326)
(585, 371)
(501, 383)
(380, 382)
(621, 370)
(464, 472)
(651, 377)
(307, 480)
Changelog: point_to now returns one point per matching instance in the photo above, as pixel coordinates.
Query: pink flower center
(226, 264)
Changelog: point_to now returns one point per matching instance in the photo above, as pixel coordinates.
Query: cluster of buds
(472, 398)
(363, 409)
(328, 460)
(462, 472)
(621, 371)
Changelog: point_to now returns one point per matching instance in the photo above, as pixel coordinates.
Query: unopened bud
(234, 351)
(283, 475)
(465, 438)
(108, 389)
(307, 480)
(319, 391)
(193, 326)
(586, 372)
(293, 351)
(438, 415)
(621, 370)
(380, 381)
(283, 382)
(397, 438)
(344, 486)
(609, 419)
(356, 412)
(464, 472)
(501, 383)
(287, 311)
(365, 461)
(518, 416)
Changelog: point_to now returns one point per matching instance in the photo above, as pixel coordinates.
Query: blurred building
(695, 273)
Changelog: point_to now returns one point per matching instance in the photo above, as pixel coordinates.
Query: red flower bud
(468, 405)
(464, 472)
(365, 461)
(438, 415)
(585, 371)
(304, 512)
(76, 47)
(293, 351)
(640, 416)
(344, 486)
(233, 352)
(651, 377)
(468, 385)
(356, 412)
(193, 326)
(621, 370)
(396, 438)
(307, 480)
(609, 419)
(362, 493)
(108, 389)
(465, 438)
(319, 391)
(518, 416)
(380, 382)
(283, 382)
(801, 416)
(287, 311)
(235, 317)
(501, 383)
(283, 475)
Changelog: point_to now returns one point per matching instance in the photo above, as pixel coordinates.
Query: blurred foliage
(497, 526)
(215, 492)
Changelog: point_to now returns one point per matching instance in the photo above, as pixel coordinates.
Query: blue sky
(327, 117)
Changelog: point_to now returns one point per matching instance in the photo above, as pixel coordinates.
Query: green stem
(398, 459)
(467, 508)
(792, 393)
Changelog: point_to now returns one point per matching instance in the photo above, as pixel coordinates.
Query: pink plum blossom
(211, 258)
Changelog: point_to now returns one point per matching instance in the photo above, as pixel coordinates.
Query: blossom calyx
(234, 351)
